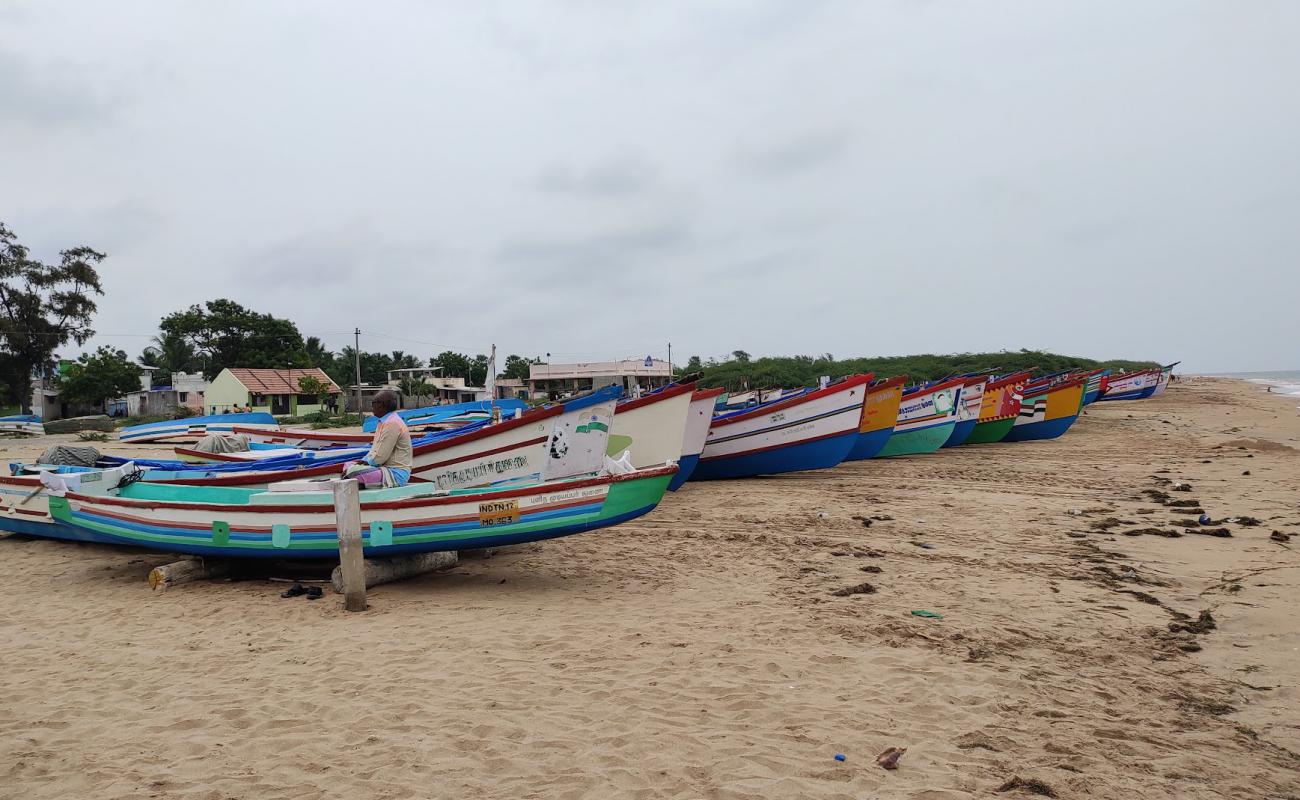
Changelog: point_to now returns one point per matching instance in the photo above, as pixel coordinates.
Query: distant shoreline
(1284, 382)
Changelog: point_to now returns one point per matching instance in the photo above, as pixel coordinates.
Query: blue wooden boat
(968, 411)
(197, 427)
(1132, 386)
(452, 414)
(815, 430)
(29, 424)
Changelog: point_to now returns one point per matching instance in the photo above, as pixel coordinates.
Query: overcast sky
(595, 179)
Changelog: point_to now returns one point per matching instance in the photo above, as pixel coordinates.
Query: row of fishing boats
(502, 473)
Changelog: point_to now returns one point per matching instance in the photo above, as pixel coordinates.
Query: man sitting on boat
(388, 463)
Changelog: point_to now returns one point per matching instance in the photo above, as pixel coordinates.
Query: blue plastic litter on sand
(839, 756)
(1205, 519)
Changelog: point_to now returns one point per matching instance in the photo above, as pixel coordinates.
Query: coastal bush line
(740, 371)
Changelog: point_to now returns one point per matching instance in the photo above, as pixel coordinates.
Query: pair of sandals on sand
(312, 592)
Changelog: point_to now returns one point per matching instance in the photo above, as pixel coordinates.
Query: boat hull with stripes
(879, 413)
(1092, 391)
(968, 412)
(25, 508)
(197, 427)
(301, 525)
(810, 431)
(698, 419)
(1047, 412)
(998, 409)
(1134, 386)
(543, 444)
(26, 424)
(926, 418)
(1166, 375)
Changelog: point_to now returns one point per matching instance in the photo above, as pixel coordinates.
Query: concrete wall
(224, 393)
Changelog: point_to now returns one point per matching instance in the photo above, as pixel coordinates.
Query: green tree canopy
(317, 388)
(453, 365)
(374, 366)
(414, 387)
(517, 367)
(230, 335)
(99, 376)
(42, 307)
(478, 369)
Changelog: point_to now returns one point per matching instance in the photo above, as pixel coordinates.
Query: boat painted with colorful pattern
(926, 417)
(1096, 381)
(879, 414)
(244, 523)
(999, 408)
(815, 430)
(1047, 409)
(968, 411)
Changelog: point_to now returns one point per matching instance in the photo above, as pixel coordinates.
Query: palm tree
(414, 387)
(170, 352)
(317, 353)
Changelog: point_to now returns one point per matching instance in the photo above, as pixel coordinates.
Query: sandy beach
(703, 652)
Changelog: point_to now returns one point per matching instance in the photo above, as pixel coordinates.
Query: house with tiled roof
(276, 391)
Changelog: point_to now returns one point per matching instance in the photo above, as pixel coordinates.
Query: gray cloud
(612, 178)
(51, 95)
(608, 252)
(796, 154)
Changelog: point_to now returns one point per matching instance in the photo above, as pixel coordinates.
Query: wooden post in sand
(396, 568)
(347, 511)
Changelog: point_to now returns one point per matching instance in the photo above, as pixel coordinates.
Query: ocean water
(1286, 381)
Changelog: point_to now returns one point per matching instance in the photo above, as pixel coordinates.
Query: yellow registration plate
(498, 512)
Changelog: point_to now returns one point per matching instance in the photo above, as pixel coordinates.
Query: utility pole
(356, 353)
(491, 385)
(671, 376)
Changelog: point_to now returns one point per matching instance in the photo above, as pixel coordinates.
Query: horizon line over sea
(1283, 381)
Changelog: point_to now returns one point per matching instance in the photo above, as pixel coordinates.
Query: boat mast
(356, 354)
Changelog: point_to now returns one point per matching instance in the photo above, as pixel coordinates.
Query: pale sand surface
(699, 652)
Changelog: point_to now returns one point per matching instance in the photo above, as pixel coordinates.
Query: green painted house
(276, 391)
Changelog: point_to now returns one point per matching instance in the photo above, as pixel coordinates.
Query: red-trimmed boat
(815, 430)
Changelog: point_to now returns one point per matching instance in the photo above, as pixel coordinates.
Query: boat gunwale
(665, 393)
(780, 405)
(948, 384)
